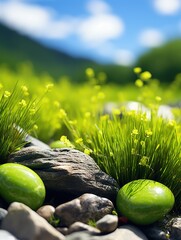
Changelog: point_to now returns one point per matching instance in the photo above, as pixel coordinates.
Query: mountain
(16, 48)
(163, 62)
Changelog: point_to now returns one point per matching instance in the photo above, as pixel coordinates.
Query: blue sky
(116, 31)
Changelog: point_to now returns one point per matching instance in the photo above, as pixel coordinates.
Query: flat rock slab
(67, 170)
(127, 232)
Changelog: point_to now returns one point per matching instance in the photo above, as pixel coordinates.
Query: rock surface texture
(67, 170)
(24, 223)
(86, 207)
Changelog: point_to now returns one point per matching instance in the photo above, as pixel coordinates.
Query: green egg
(58, 144)
(21, 184)
(144, 201)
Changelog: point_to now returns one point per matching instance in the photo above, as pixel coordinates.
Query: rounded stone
(21, 184)
(46, 211)
(144, 201)
(107, 224)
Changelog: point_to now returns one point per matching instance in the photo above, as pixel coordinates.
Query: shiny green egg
(144, 201)
(19, 183)
(58, 144)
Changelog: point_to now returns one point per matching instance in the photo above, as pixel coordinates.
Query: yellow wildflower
(142, 143)
(116, 111)
(49, 86)
(79, 140)
(66, 142)
(137, 70)
(35, 127)
(133, 151)
(23, 103)
(89, 72)
(62, 113)
(25, 90)
(111, 154)
(7, 94)
(56, 104)
(72, 122)
(32, 111)
(135, 131)
(104, 117)
(145, 75)
(139, 83)
(87, 151)
(148, 132)
(171, 123)
(158, 99)
(144, 161)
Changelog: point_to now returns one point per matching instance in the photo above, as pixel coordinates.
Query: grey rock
(84, 235)
(31, 141)
(107, 224)
(63, 230)
(67, 170)
(24, 223)
(5, 235)
(86, 207)
(176, 229)
(165, 112)
(155, 233)
(79, 226)
(127, 106)
(127, 232)
(46, 211)
(3, 213)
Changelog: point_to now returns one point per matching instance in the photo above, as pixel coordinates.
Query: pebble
(46, 211)
(84, 208)
(107, 224)
(176, 228)
(24, 223)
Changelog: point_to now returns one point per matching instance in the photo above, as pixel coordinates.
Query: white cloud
(124, 57)
(34, 20)
(98, 7)
(167, 7)
(151, 38)
(100, 28)
(96, 30)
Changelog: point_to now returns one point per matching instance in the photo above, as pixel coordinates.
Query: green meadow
(126, 144)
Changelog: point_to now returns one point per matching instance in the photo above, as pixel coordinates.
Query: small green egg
(144, 201)
(58, 144)
(19, 183)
